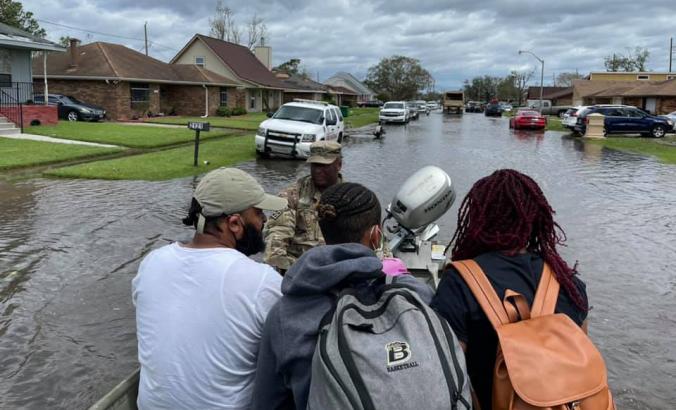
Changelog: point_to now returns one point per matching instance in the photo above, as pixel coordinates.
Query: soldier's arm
(279, 232)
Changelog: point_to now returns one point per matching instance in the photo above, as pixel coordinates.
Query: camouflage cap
(324, 152)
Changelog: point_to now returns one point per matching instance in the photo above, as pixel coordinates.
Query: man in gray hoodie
(349, 216)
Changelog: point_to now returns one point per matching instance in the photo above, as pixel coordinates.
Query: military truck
(454, 101)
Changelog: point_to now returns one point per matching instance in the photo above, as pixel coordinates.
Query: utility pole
(145, 31)
(671, 52)
(542, 73)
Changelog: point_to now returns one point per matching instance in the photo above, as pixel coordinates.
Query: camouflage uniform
(291, 232)
(294, 230)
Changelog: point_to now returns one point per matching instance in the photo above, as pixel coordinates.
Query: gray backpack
(396, 353)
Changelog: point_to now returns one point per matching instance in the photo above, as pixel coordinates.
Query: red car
(528, 119)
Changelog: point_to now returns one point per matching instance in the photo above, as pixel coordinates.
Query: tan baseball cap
(231, 190)
(324, 152)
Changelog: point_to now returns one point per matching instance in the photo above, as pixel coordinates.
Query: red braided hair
(507, 211)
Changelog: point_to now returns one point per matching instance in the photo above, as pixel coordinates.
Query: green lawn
(663, 149)
(166, 164)
(136, 136)
(25, 153)
(246, 122)
(360, 117)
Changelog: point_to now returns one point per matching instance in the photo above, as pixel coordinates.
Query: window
(200, 61)
(643, 77)
(671, 77)
(303, 114)
(338, 114)
(140, 93)
(329, 115)
(5, 80)
(252, 100)
(224, 97)
(628, 112)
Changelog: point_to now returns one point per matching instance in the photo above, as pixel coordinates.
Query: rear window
(393, 105)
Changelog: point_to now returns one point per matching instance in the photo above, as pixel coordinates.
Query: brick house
(656, 97)
(251, 70)
(557, 95)
(350, 82)
(299, 86)
(129, 84)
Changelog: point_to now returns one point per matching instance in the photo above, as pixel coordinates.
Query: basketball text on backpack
(396, 353)
(544, 360)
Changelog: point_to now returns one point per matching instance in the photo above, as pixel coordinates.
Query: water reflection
(68, 250)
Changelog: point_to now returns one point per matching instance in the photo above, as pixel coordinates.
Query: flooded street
(69, 249)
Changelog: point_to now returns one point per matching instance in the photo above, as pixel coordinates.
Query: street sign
(199, 126)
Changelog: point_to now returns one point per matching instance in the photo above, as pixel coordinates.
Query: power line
(102, 34)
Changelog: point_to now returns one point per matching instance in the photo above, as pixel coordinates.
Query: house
(657, 97)
(631, 76)
(16, 77)
(129, 84)
(347, 80)
(300, 86)
(257, 85)
(557, 95)
(344, 96)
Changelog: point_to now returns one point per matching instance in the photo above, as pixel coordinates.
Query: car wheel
(658, 131)
(340, 138)
(72, 116)
(263, 155)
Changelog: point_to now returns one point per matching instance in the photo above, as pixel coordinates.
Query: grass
(360, 117)
(25, 153)
(245, 122)
(135, 136)
(664, 149)
(165, 164)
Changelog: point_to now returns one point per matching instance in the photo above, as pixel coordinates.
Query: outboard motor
(379, 131)
(424, 198)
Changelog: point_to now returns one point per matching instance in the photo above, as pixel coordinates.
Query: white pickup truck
(296, 125)
(548, 108)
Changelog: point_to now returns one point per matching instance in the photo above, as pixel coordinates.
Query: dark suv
(493, 110)
(71, 109)
(623, 119)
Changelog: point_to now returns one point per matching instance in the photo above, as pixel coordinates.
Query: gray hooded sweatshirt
(292, 326)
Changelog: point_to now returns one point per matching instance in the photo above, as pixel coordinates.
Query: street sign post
(198, 126)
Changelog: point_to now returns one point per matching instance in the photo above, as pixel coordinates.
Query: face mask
(377, 247)
(252, 241)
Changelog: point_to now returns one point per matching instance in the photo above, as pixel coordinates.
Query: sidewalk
(55, 140)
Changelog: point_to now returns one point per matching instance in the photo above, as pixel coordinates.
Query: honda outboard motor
(424, 198)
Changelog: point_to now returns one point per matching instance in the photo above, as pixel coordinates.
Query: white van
(296, 125)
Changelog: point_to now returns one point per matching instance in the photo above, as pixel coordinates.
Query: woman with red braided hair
(507, 226)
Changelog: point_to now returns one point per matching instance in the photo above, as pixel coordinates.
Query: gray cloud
(454, 40)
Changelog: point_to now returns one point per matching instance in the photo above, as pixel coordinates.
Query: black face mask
(252, 241)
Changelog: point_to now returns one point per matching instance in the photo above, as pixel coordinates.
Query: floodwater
(69, 249)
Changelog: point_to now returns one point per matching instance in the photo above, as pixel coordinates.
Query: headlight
(261, 131)
(308, 138)
(85, 111)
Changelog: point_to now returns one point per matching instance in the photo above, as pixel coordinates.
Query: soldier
(294, 230)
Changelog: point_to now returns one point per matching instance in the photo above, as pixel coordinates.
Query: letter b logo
(397, 352)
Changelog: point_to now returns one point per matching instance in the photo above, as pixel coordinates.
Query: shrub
(238, 111)
(223, 111)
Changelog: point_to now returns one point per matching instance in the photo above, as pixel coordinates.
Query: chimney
(74, 54)
(264, 54)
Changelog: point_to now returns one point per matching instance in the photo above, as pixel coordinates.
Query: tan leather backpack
(544, 360)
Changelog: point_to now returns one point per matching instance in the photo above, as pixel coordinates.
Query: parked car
(72, 109)
(548, 108)
(622, 119)
(371, 103)
(412, 110)
(493, 109)
(505, 107)
(433, 105)
(394, 111)
(422, 107)
(528, 119)
(671, 116)
(296, 125)
(473, 106)
(570, 116)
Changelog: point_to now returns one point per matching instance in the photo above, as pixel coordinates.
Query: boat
(122, 397)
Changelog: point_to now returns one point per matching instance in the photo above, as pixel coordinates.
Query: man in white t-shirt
(201, 305)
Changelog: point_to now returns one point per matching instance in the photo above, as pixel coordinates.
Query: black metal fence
(12, 98)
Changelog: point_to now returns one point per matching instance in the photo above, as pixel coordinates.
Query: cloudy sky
(454, 40)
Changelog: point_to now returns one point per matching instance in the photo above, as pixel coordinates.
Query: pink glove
(394, 267)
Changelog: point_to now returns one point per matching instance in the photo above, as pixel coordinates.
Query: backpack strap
(483, 291)
(546, 294)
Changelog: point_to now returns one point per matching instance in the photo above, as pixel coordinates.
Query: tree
(12, 14)
(566, 79)
(290, 67)
(398, 78)
(223, 25)
(634, 60)
(256, 29)
(64, 41)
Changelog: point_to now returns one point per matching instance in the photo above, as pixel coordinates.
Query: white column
(44, 74)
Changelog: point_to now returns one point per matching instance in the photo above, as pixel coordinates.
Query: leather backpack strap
(546, 295)
(483, 291)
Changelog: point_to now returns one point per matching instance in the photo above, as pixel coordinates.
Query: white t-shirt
(199, 320)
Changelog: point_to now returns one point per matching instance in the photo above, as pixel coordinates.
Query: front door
(651, 105)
